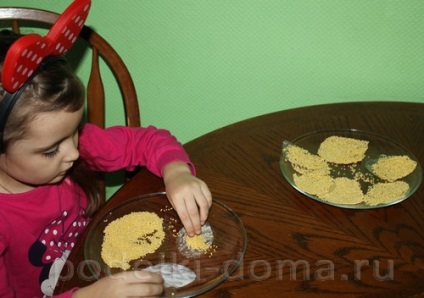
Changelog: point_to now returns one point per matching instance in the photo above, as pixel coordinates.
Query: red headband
(26, 53)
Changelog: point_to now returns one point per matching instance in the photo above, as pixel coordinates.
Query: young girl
(47, 194)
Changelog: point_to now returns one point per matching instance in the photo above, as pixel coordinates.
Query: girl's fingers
(180, 206)
(192, 221)
(204, 203)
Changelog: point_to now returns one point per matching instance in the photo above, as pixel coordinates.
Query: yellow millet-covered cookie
(198, 242)
(304, 162)
(342, 150)
(346, 191)
(394, 167)
(386, 192)
(196, 245)
(314, 183)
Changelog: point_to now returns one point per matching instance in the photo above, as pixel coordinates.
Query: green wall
(200, 65)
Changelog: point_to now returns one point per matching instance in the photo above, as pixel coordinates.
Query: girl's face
(46, 153)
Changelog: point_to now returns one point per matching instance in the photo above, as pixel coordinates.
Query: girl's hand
(189, 196)
(124, 284)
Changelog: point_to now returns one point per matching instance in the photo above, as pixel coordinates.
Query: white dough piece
(174, 275)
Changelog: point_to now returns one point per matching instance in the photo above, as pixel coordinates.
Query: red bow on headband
(26, 53)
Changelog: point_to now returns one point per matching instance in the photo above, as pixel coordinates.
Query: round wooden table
(298, 247)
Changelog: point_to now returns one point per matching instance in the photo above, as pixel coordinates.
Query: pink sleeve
(122, 147)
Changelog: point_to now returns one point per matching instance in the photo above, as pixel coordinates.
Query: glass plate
(377, 145)
(211, 269)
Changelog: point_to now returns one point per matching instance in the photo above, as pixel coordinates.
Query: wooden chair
(15, 17)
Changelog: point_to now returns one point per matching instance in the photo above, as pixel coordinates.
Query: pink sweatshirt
(38, 228)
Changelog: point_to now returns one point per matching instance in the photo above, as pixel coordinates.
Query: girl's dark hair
(56, 88)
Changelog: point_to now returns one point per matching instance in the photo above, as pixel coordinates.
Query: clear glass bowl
(211, 269)
(378, 145)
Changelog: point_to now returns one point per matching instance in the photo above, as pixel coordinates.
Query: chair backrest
(100, 48)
